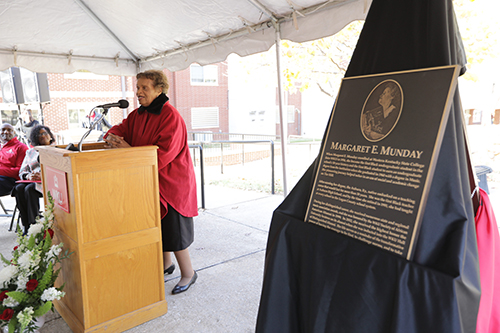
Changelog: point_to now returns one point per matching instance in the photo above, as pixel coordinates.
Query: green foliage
(323, 62)
(12, 325)
(32, 267)
(4, 260)
(46, 280)
(320, 62)
(480, 31)
(18, 296)
(46, 307)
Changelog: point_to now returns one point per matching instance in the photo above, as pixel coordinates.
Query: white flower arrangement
(27, 281)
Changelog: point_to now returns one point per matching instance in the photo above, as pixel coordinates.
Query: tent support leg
(283, 120)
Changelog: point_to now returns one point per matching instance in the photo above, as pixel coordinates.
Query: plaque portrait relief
(381, 110)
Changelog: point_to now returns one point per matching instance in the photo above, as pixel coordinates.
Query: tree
(323, 62)
(479, 28)
(320, 62)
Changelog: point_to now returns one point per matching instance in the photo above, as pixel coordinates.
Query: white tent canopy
(122, 37)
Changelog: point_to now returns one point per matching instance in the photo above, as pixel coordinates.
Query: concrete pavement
(228, 254)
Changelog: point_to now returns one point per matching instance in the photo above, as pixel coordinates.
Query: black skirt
(177, 231)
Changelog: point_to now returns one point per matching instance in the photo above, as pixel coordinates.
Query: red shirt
(11, 158)
(166, 130)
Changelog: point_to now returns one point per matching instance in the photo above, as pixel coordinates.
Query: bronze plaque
(378, 159)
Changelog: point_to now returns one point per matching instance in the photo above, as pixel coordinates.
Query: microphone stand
(92, 126)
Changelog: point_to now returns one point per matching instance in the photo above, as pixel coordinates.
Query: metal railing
(227, 146)
(200, 146)
(202, 173)
(207, 136)
(271, 142)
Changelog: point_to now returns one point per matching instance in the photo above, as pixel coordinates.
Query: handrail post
(202, 173)
(202, 178)
(272, 167)
(222, 158)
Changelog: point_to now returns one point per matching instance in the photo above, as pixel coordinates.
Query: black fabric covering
(316, 280)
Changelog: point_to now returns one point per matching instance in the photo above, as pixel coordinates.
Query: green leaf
(5, 261)
(47, 243)
(43, 309)
(32, 242)
(18, 296)
(12, 324)
(46, 279)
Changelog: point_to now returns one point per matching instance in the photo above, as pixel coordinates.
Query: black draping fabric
(316, 280)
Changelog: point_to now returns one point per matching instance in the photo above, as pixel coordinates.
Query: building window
(77, 117)
(10, 116)
(290, 114)
(204, 75)
(476, 116)
(204, 117)
(79, 113)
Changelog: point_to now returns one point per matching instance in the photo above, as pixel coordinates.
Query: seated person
(12, 154)
(28, 194)
(25, 125)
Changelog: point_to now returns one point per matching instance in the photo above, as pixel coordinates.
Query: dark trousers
(28, 203)
(6, 185)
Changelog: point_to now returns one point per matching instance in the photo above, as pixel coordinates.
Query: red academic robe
(488, 245)
(11, 158)
(166, 130)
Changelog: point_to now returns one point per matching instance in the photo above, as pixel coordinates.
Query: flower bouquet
(27, 281)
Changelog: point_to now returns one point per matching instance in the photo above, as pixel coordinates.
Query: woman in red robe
(157, 122)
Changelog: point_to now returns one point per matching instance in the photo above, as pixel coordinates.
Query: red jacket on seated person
(12, 153)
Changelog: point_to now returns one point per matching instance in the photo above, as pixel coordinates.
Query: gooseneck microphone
(122, 103)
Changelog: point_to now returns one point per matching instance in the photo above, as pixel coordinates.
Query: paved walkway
(228, 253)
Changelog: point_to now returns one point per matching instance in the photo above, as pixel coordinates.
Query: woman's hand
(34, 176)
(115, 141)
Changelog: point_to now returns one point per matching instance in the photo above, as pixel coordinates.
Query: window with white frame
(79, 113)
(290, 114)
(10, 116)
(476, 116)
(204, 117)
(76, 117)
(204, 75)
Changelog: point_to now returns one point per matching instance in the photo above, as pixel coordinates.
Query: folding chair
(14, 217)
(6, 211)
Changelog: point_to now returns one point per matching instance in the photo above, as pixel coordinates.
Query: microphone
(122, 103)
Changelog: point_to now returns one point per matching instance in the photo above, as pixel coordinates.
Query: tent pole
(283, 128)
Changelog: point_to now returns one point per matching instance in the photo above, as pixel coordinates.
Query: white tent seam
(103, 26)
(17, 52)
(243, 31)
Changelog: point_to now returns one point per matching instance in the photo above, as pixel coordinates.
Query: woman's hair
(158, 77)
(393, 88)
(35, 133)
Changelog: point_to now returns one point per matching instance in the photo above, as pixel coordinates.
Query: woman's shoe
(169, 270)
(180, 289)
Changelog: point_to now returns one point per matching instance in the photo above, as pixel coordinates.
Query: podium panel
(109, 216)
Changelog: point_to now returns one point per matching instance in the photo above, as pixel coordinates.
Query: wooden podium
(111, 222)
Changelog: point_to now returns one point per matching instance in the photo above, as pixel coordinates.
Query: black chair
(14, 217)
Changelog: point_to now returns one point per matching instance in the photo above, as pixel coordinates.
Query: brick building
(200, 93)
